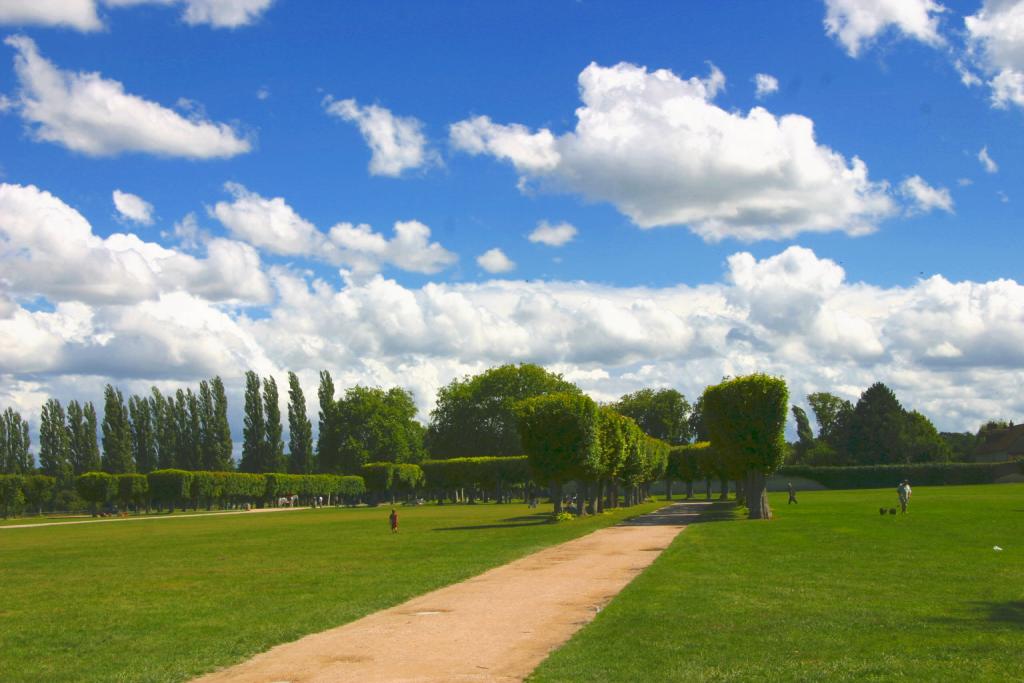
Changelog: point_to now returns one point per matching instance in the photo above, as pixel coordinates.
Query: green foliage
(15, 457)
(831, 413)
(683, 461)
(275, 461)
(300, 430)
(170, 487)
(919, 474)
(254, 432)
(143, 441)
(38, 489)
(611, 428)
(12, 496)
(219, 439)
(663, 413)
(393, 478)
(165, 431)
(559, 433)
(475, 416)
(327, 440)
(54, 442)
(83, 450)
(376, 426)
(97, 488)
(961, 444)
(746, 418)
(132, 489)
(804, 435)
(564, 517)
(454, 473)
(117, 434)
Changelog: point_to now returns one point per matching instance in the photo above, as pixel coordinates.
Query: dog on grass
(882, 511)
(891, 511)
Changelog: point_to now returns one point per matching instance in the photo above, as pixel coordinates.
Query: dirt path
(136, 519)
(494, 627)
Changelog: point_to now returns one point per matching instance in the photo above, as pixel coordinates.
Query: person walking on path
(792, 494)
(393, 518)
(903, 491)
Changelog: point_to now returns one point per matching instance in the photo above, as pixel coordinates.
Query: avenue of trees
(512, 429)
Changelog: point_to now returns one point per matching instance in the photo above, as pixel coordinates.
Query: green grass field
(165, 600)
(828, 591)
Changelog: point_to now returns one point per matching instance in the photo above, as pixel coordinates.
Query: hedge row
(18, 491)
(922, 474)
(486, 472)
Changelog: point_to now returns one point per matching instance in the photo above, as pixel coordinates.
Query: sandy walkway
(495, 627)
(140, 518)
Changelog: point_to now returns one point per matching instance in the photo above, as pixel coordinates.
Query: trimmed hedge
(97, 488)
(919, 474)
(485, 472)
(132, 489)
(392, 478)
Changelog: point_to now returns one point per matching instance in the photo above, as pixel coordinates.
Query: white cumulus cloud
(657, 147)
(397, 142)
(987, 162)
(77, 14)
(215, 13)
(858, 23)
(133, 207)
(553, 235)
(925, 197)
(495, 261)
(766, 84)
(274, 225)
(94, 115)
(996, 40)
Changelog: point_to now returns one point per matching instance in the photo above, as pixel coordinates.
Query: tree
(15, 457)
(746, 417)
(274, 461)
(117, 434)
(220, 431)
(375, 425)
(698, 430)
(560, 435)
(92, 444)
(207, 443)
(186, 430)
(54, 442)
(877, 428)
(475, 416)
(300, 430)
(82, 448)
(254, 433)
(663, 414)
(922, 441)
(804, 435)
(831, 412)
(961, 444)
(143, 443)
(327, 436)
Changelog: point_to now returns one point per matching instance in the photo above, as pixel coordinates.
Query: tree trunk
(556, 496)
(724, 494)
(757, 496)
(740, 488)
(599, 498)
(668, 488)
(708, 483)
(689, 489)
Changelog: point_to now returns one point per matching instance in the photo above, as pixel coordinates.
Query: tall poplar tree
(275, 441)
(54, 442)
(77, 443)
(327, 438)
(300, 430)
(254, 432)
(165, 440)
(15, 457)
(220, 430)
(92, 446)
(143, 442)
(117, 433)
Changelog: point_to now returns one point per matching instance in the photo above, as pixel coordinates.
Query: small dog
(892, 511)
(881, 511)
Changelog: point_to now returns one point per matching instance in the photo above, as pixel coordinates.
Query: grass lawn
(165, 600)
(827, 591)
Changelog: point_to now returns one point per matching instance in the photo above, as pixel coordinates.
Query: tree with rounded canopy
(559, 433)
(374, 425)
(662, 413)
(475, 416)
(746, 418)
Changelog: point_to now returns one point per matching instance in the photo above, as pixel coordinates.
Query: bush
(919, 474)
(486, 472)
(170, 487)
(12, 498)
(391, 478)
(38, 490)
(97, 488)
(132, 489)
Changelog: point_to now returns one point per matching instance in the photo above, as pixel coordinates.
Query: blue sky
(840, 227)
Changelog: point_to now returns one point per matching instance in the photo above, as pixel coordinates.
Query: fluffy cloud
(215, 13)
(925, 197)
(49, 249)
(133, 207)
(996, 40)
(954, 350)
(78, 14)
(397, 142)
(857, 23)
(656, 147)
(766, 85)
(495, 261)
(987, 162)
(274, 225)
(93, 115)
(553, 235)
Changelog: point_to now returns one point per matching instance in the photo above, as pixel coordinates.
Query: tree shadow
(1010, 613)
(687, 512)
(510, 525)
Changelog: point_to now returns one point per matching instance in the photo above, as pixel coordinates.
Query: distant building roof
(1002, 444)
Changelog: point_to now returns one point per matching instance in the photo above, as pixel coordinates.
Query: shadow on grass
(1010, 613)
(687, 512)
(511, 525)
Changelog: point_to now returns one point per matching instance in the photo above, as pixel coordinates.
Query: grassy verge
(829, 590)
(164, 601)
